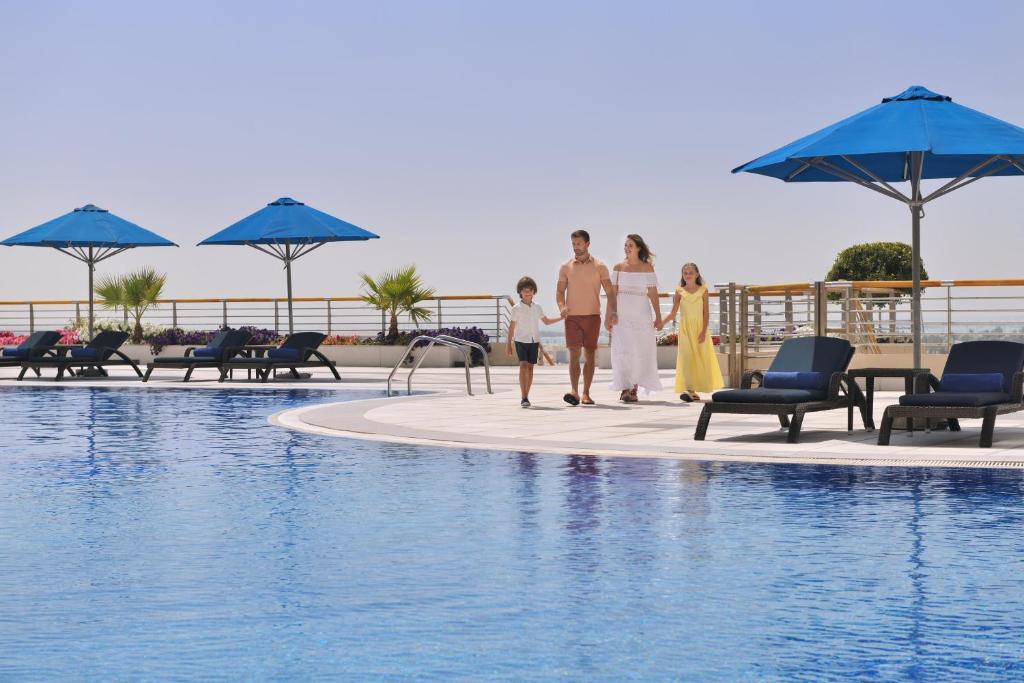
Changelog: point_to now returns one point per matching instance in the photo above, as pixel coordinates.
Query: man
(578, 294)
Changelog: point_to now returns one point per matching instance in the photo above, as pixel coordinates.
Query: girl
(634, 344)
(696, 365)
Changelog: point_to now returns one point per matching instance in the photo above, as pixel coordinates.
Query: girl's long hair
(682, 280)
(643, 251)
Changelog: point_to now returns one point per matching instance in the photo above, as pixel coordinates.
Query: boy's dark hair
(583, 234)
(525, 282)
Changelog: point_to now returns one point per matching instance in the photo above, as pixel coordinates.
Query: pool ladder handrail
(465, 347)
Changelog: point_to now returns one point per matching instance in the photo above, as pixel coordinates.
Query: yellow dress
(696, 365)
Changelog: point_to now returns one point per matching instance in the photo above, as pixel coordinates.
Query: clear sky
(474, 136)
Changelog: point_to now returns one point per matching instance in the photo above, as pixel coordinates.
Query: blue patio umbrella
(914, 136)
(287, 229)
(89, 234)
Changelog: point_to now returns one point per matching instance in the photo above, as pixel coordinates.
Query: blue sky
(474, 136)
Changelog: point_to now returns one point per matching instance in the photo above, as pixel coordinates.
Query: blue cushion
(957, 399)
(15, 352)
(768, 396)
(795, 380)
(972, 382)
(284, 354)
(85, 354)
(207, 352)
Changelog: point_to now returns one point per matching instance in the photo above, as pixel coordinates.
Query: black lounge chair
(981, 379)
(298, 350)
(808, 374)
(37, 344)
(99, 354)
(210, 356)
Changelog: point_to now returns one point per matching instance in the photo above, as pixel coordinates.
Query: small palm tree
(397, 292)
(134, 292)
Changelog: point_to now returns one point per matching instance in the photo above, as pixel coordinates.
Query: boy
(524, 332)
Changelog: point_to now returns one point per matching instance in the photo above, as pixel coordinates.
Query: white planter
(139, 352)
(666, 357)
(377, 356)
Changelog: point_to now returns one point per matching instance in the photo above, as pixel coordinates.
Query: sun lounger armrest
(749, 376)
(189, 351)
(835, 385)
(925, 382)
(1017, 387)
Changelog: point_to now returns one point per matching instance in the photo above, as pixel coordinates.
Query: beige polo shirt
(583, 295)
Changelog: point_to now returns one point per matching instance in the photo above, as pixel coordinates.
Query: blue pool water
(175, 534)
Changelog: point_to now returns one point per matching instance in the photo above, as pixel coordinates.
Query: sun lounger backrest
(108, 339)
(978, 357)
(235, 339)
(303, 340)
(45, 338)
(815, 358)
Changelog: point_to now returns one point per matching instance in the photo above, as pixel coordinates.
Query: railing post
(439, 324)
(277, 318)
(723, 316)
(744, 333)
(126, 316)
(174, 313)
(78, 312)
(790, 327)
(734, 365)
(224, 304)
(949, 317)
(892, 316)
(383, 323)
(757, 322)
(497, 319)
(31, 318)
(820, 309)
(328, 317)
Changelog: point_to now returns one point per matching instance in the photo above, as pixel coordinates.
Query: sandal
(587, 402)
(624, 396)
(571, 400)
(686, 398)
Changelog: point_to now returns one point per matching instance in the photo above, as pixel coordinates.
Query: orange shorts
(582, 330)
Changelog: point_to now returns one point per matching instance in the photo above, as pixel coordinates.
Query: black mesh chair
(102, 352)
(298, 350)
(226, 345)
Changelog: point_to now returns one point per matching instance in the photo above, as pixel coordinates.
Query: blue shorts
(527, 352)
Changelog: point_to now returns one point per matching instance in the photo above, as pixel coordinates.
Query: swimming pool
(174, 534)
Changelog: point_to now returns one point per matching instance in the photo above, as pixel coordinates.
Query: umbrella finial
(285, 201)
(917, 92)
(92, 207)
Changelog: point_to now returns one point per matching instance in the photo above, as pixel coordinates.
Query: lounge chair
(101, 352)
(37, 344)
(808, 374)
(298, 350)
(981, 379)
(209, 356)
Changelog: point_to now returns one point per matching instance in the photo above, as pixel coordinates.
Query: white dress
(634, 345)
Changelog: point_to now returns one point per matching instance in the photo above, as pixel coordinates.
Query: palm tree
(134, 292)
(397, 292)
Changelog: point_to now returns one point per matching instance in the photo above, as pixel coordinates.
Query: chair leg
(885, 432)
(795, 424)
(60, 374)
(335, 371)
(35, 370)
(953, 424)
(988, 425)
(702, 423)
(149, 371)
(24, 369)
(784, 420)
(188, 373)
(223, 374)
(295, 373)
(264, 376)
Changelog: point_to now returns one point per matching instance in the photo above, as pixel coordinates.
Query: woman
(634, 347)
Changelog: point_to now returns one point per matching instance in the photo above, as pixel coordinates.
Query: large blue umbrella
(89, 234)
(914, 136)
(287, 229)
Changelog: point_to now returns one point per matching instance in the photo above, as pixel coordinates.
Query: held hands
(659, 323)
(611, 320)
(508, 350)
(563, 311)
(700, 337)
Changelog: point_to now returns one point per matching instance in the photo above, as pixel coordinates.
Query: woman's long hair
(643, 251)
(682, 280)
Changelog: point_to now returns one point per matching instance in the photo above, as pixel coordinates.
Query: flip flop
(685, 398)
(571, 400)
(588, 402)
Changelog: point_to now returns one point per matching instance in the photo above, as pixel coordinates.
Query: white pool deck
(660, 426)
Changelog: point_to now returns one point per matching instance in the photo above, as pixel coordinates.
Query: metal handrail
(462, 345)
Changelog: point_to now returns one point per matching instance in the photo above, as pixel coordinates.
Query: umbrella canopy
(287, 229)
(89, 234)
(914, 136)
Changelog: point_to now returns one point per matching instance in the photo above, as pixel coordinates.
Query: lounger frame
(265, 365)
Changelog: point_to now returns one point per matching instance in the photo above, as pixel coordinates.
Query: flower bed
(672, 339)
(67, 336)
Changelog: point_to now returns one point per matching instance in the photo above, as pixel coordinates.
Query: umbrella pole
(91, 263)
(916, 161)
(288, 271)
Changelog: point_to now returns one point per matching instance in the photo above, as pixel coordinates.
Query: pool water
(175, 534)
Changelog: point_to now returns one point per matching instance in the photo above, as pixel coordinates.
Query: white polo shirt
(527, 320)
